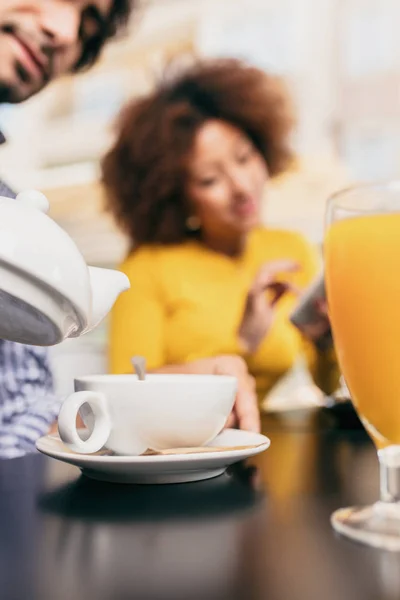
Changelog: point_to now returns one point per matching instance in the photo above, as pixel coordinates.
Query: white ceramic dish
(128, 416)
(178, 468)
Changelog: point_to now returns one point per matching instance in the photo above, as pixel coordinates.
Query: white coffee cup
(129, 416)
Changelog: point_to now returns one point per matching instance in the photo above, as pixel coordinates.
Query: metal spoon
(139, 365)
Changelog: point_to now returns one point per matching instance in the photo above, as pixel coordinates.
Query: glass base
(377, 525)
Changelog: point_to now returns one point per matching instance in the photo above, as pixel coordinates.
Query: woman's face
(226, 179)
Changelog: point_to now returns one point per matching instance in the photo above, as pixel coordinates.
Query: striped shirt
(28, 406)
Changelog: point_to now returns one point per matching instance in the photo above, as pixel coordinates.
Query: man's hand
(245, 414)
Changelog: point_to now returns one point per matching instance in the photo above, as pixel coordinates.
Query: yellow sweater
(186, 302)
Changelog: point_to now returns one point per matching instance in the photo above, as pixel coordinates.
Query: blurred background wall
(341, 59)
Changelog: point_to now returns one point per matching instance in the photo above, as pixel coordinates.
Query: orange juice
(363, 287)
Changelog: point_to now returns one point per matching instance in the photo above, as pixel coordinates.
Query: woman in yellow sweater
(185, 180)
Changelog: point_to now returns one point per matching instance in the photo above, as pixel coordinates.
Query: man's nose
(60, 21)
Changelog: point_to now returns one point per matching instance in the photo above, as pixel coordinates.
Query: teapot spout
(106, 286)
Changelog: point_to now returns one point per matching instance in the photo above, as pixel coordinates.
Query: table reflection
(256, 533)
(20, 481)
(112, 539)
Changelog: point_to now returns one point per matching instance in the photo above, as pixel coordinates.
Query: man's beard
(6, 94)
(25, 88)
(9, 95)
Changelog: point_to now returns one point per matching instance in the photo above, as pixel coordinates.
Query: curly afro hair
(144, 172)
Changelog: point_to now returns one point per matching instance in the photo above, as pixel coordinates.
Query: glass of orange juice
(362, 262)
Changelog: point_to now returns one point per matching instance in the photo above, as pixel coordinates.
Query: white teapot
(47, 292)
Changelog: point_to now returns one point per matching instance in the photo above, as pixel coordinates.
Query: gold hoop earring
(193, 223)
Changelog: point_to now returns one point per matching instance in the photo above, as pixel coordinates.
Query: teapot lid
(34, 199)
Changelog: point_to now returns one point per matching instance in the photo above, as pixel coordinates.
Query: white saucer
(178, 468)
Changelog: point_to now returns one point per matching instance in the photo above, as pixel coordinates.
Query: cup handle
(67, 422)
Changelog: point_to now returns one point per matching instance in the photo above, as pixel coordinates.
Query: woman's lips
(246, 208)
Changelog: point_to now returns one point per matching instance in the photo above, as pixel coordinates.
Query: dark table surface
(256, 533)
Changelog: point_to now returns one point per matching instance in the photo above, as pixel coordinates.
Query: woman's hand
(245, 414)
(319, 330)
(260, 306)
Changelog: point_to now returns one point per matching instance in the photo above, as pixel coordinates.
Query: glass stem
(389, 462)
